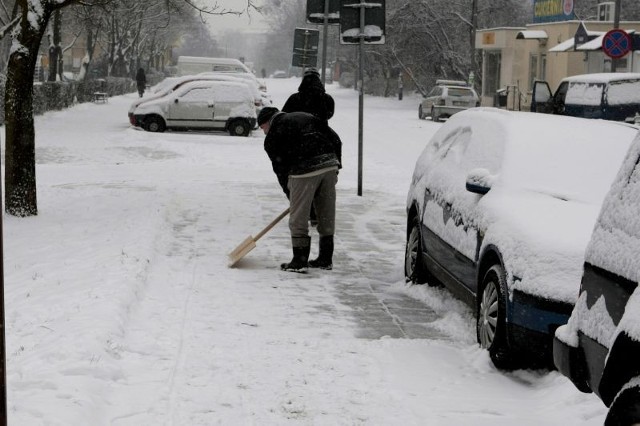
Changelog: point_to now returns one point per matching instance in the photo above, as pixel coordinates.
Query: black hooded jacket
(300, 143)
(312, 98)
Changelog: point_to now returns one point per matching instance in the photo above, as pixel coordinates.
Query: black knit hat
(265, 114)
(311, 71)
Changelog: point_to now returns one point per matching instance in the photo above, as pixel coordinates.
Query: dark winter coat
(312, 98)
(141, 78)
(300, 143)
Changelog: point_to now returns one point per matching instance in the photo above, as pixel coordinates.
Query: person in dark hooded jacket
(311, 97)
(141, 81)
(305, 154)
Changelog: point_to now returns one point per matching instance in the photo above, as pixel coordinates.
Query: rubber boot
(324, 260)
(300, 261)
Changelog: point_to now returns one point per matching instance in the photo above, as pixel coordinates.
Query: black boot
(324, 260)
(300, 261)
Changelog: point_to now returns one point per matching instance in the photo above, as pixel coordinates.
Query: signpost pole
(361, 96)
(325, 30)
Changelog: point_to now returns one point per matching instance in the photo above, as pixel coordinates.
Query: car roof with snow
(602, 77)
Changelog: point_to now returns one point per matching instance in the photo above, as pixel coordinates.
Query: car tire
(239, 127)
(491, 324)
(434, 117)
(421, 115)
(154, 123)
(625, 408)
(414, 269)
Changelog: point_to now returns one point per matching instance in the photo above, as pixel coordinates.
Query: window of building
(491, 77)
(533, 69)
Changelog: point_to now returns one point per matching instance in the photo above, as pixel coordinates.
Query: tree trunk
(20, 160)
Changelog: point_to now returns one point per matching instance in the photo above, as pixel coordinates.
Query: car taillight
(132, 119)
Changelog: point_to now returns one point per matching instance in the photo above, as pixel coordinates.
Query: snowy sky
(121, 310)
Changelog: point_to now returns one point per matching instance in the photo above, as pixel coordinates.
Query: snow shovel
(250, 242)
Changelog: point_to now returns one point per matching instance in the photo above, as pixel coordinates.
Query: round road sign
(616, 43)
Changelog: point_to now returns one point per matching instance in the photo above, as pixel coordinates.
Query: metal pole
(324, 39)
(3, 352)
(616, 24)
(361, 97)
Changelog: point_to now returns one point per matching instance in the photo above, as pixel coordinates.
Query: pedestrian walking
(306, 155)
(311, 97)
(141, 81)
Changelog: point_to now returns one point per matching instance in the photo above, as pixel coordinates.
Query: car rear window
(459, 92)
(615, 242)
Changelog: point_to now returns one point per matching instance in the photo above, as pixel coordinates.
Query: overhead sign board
(305, 47)
(316, 9)
(374, 21)
(553, 10)
(616, 43)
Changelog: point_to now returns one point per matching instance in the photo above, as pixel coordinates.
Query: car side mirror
(479, 181)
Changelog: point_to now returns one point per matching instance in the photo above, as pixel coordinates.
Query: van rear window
(624, 92)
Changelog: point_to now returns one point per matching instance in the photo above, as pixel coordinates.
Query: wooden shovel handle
(271, 225)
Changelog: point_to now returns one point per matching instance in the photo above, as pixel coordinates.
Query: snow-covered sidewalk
(121, 310)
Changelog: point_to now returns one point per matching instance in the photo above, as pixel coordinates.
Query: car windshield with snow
(218, 105)
(609, 96)
(500, 210)
(599, 348)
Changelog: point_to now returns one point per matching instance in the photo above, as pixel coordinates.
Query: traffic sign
(374, 21)
(305, 47)
(316, 8)
(616, 43)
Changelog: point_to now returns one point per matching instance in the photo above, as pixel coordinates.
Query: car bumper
(447, 110)
(569, 360)
(533, 321)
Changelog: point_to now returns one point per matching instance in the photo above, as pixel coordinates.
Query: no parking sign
(616, 43)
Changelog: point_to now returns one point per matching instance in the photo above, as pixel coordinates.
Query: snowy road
(121, 309)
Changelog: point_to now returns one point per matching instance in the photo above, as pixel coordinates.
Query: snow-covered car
(202, 104)
(599, 348)
(447, 98)
(170, 84)
(609, 96)
(500, 210)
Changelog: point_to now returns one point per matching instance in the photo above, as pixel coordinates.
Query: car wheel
(414, 269)
(155, 123)
(625, 408)
(434, 117)
(239, 128)
(491, 318)
(421, 115)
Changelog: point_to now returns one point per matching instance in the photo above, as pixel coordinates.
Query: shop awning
(532, 34)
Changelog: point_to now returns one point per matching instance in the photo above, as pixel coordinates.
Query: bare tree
(26, 25)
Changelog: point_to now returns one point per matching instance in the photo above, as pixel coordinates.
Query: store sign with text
(553, 10)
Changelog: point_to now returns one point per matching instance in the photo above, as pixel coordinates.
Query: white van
(203, 104)
(197, 64)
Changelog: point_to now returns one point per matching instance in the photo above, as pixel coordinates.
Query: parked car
(447, 98)
(279, 74)
(610, 96)
(170, 84)
(202, 104)
(599, 348)
(499, 211)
